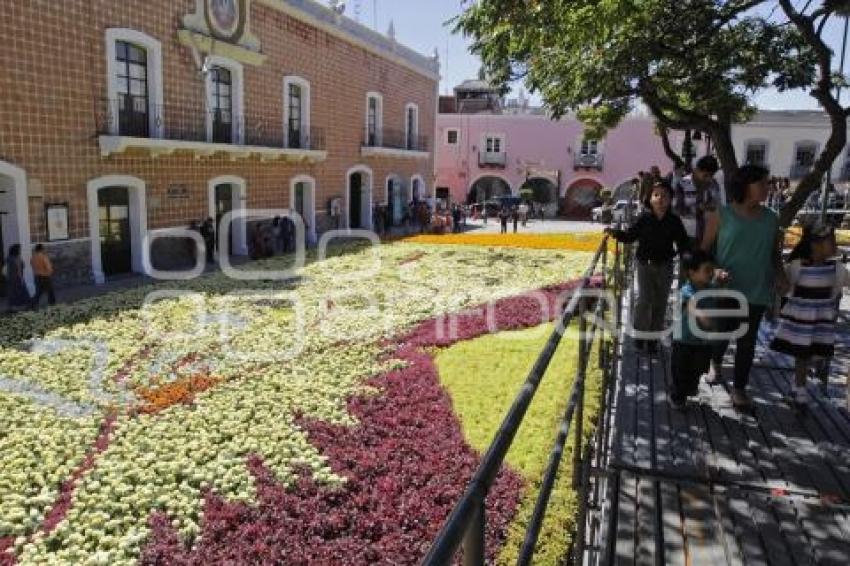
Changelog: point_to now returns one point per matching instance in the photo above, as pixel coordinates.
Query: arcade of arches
(486, 188)
(581, 196)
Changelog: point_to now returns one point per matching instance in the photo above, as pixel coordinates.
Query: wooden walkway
(715, 486)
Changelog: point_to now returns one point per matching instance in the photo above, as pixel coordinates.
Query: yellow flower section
(579, 242)
(483, 376)
(793, 235)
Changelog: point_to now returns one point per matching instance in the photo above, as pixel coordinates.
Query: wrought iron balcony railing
(799, 171)
(589, 161)
(492, 158)
(133, 117)
(396, 139)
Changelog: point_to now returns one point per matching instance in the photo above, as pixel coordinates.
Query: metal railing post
(473, 541)
(579, 416)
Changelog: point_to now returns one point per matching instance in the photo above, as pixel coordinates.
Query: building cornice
(346, 29)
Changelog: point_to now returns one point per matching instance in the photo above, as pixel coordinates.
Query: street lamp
(825, 194)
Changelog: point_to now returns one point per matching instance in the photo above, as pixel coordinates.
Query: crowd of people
(729, 240)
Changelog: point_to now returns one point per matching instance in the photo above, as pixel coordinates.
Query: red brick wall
(53, 82)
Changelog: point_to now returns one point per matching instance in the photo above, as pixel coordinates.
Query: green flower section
(277, 349)
(483, 377)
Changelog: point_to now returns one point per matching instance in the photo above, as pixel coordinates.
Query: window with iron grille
(805, 156)
(589, 147)
(372, 122)
(494, 144)
(221, 104)
(451, 137)
(756, 154)
(295, 116)
(132, 90)
(411, 128)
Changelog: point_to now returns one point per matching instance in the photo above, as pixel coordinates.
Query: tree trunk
(664, 133)
(812, 181)
(725, 149)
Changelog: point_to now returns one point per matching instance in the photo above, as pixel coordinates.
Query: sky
(421, 24)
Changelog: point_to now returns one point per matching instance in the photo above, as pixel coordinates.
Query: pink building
(484, 150)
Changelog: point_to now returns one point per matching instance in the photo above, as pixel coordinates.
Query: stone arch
(13, 200)
(488, 185)
(364, 216)
(580, 196)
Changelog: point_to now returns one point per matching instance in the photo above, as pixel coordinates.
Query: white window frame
(487, 137)
(759, 142)
(305, 109)
(805, 143)
(457, 136)
(379, 119)
(155, 94)
(410, 137)
(237, 77)
(593, 146)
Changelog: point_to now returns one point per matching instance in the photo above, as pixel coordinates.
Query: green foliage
(691, 61)
(483, 376)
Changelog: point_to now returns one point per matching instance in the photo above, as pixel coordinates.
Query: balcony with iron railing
(798, 171)
(589, 161)
(396, 143)
(492, 159)
(124, 124)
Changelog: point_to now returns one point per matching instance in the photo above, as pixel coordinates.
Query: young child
(692, 353)
(660, 235)
(807, 321)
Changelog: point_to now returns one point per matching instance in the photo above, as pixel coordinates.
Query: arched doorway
(487, 187)
(302, 200)
(118, 225)
(359, 198)
(14, 211)
(623, 191)
(581, 196)
(227, 194)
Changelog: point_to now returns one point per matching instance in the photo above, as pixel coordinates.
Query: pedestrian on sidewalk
(698, 195)
(807, 322)
(17, 292)
(515, 217)
(208, 234)
(691, 354)
(660, 235)
(503, 218)
(42, 269)
(748, 244)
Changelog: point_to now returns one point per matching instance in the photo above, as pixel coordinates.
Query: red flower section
(406, 463)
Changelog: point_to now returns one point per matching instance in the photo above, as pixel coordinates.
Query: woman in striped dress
(806, 328)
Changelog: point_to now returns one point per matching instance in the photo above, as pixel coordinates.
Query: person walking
(515, 217)
(503, 218)
(17, 293)
(748, 244)
(42, 269)
(660, 235)
(806, 329)
(698, 195)
(208, 234)
(691, 354)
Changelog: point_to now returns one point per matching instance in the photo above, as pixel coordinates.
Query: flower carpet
(580, 242)
(298, 422)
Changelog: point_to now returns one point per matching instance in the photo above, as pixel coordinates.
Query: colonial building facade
(487, 147)
(120, 121)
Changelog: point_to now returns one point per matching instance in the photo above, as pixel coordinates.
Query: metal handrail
(467, 520)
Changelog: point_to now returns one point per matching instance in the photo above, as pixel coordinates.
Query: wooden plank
(774, 543)
(626, 408)
(830, 475)
(702, 536)
(647, 547)
(735, 511)
(828, 541)
(626, 517)
(672, 526)
(792, 531)
(644, 434)
(798, 455)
